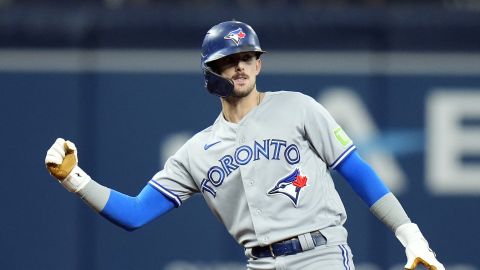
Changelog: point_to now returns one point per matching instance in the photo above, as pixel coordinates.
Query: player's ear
(258, 66)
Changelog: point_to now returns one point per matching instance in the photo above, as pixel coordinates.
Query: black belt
(287, 247)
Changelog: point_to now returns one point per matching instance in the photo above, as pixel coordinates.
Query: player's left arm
(385, 206)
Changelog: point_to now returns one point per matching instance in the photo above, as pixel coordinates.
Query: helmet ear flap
(216, 84)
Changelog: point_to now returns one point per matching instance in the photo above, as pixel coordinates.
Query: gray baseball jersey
(266, 178)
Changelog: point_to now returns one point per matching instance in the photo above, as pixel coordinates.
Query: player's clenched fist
(61, 161)
(61, 158)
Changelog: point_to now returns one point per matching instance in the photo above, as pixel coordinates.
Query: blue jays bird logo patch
(235, 35)
(290, 185)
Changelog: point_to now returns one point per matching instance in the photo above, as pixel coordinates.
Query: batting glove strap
(416, 247)
(76, 180)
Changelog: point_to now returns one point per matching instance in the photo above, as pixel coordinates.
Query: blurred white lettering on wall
(453, 141)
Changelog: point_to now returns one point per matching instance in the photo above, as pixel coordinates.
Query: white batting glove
(61, 162)
(416, 248)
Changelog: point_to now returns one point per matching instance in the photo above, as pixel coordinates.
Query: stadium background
(122, 79)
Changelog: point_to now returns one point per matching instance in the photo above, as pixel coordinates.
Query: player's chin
(241, 91)
(240, 94)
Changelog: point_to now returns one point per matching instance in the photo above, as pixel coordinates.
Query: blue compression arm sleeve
(363, 179)
(132, 213)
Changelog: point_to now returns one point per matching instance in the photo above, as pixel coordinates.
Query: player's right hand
(61, 158)
(62, 163)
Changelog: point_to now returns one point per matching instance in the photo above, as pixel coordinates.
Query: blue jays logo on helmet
(235, 35)
(290, 185)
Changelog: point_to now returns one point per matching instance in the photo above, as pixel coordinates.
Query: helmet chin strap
(216, 84)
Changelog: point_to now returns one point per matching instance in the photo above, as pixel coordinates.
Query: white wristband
(408, 232)
(76, 180)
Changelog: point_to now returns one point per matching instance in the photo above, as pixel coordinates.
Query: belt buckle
(271, 251)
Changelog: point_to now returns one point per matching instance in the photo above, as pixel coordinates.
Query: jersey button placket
(250, 182)
(265, 240)
(240, 135)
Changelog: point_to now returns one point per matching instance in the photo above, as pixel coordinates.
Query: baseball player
(263, 168)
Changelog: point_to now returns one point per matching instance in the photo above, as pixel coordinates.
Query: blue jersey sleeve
(362, 178)
(131, 213)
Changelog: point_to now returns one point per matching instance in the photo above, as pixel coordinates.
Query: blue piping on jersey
(172, 196)
(342, 156)
(362, 178)
(132, 213)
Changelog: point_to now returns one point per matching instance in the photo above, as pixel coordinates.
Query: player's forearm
(95, 195)
(128, 212)
(389, 210)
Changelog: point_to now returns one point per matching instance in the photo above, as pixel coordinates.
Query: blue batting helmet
(222, 40)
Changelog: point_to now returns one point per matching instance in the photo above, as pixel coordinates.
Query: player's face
(242, 69)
